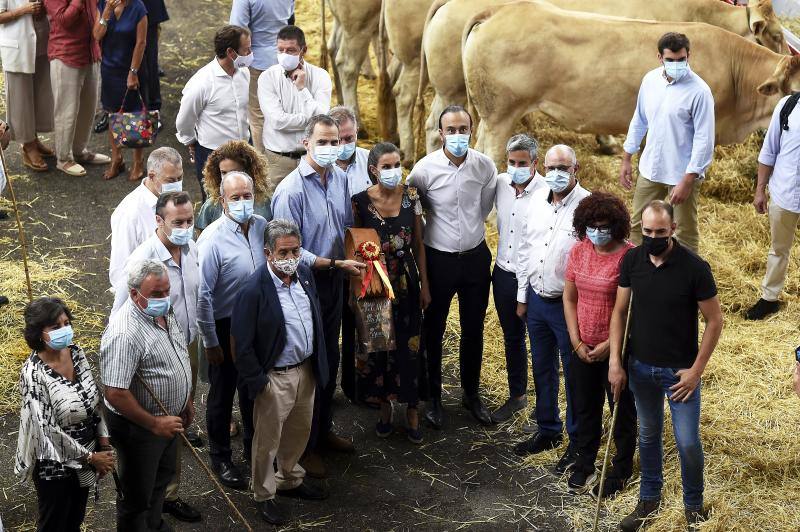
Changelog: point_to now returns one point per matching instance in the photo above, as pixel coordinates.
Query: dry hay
(791, 23)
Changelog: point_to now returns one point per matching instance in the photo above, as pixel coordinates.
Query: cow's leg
(366, 69)
(608, 145)
(349, 59)
(334, 43)
(405, 93)
(495, 130)
(432, 139)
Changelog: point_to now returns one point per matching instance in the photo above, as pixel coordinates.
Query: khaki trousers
(687, 231)
(75, 99)
(29, 102)
(782, 225)
(171, 493)
(254, 113)
(282, 415)
(279, 167)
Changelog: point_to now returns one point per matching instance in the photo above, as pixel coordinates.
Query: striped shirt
(134, 343)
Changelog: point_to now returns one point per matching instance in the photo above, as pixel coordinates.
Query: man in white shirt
(134, 220)
(679, 106)
(289, 94)
(457, 185)
(778, 166)
(541, 267)
(514, 190)
(214, 103)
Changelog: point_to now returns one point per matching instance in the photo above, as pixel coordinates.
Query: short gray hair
(343, 114)
(563, 148)
(281, 228)
(141, 269)
(161, 156)
(230, 174)
(326, 120)
(523, 142)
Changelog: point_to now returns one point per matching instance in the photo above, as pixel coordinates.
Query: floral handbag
(133, 130)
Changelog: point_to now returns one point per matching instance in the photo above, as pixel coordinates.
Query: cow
(584, 70)
(442, 52)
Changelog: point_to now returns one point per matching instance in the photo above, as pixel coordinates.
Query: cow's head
(766, 27)
(785, 79)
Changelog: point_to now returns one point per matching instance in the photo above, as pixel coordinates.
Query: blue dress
(117, 53)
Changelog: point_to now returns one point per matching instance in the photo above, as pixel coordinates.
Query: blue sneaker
(383, 430)
(414, 435)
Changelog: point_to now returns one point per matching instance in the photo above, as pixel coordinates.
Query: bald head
(237, 183)
(560, 155)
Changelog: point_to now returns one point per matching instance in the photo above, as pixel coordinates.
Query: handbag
(136, 129)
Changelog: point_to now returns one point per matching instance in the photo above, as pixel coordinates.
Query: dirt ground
(462, 477)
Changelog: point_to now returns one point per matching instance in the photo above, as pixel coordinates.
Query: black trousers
(145, 464)
(329, 289)
(590, 387)
(62, 503)
(466, 275)
(348, 345)
(504, 289)
(223, 383)
(150, 68)
(201, 154)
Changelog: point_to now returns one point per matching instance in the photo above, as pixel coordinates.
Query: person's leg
(544, 355)
(296, 428)
(20, 99)
(586, 381)
(77, 498)
(222, 379)
(89, 84)
(504, 288)
(171, 491)
(43, 95)
(645, 192)
(782, 225)
(442, 286)
(254, 112)
(558, 325)
(624, 431)
(246, 409)
(348, 345)
(473, 298)
(165, 471)
(687, 231)
(150, 67)
(645, 383)
(66, 93)
(686, 427)
(201, 154)
(55, 499)
(279, 167)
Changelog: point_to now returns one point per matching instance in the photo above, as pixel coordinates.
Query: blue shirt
(322, 213)
(678, 119)
(263, 18)
(781, 151)
(120, 39)
(296, 309)
(226, 260)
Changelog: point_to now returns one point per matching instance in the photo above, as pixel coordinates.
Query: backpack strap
(787, 109)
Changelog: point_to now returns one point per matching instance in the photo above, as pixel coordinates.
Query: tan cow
(584, 70)
(443, 55)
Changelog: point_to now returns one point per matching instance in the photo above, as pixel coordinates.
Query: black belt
(477, 248)
(287, 368)
(549, 299)
(289, 154)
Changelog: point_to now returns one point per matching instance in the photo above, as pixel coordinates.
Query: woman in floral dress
(394, 211)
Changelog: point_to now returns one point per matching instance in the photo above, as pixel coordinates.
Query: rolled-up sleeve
(703, 140)
(772, 140)
(208, 258)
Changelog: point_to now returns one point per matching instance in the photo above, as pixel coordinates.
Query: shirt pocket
(9, 43)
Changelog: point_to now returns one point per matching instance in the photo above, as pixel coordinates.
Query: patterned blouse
(60, 420)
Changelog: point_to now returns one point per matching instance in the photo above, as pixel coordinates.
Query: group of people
(257, 303)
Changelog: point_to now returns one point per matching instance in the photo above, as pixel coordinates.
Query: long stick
(614, 412)
(20, 232)
(197, 457)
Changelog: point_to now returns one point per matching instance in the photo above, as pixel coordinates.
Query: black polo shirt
(664, 317)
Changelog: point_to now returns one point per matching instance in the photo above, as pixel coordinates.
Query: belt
(289, 154)
(549, 299)
(476, 249)
(292, 366)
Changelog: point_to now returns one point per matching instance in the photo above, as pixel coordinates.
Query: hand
(111, 5)
(522, 310)
(682, 391)
(188, 414)
(191, 153)
(424, 297)
(760, 201)
(214, 355)
(352, 267)
(600, 352)
(102, 461)
(133, 81)
(5, 134)
(796, 379)
(617, 378)
(167, 426)
(583, 353)
(626, 173)
(30, 8)
(298, 77)
(682, 190)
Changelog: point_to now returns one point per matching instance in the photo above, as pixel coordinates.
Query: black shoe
(271, 512)
(102, 123)
(3, 301)
(508, 409)
(581, 481)
(3, 215)
(762, 309)
(477, 409)
(194, 437)
(611, 487)
(181, 511)
(636, 519)
(230, 476)
(694, 518)
(305, 491)
(537, 444)
(161, 72)
(566, 461)
(435, 413)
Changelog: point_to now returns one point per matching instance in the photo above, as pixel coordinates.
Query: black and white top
(59, 418)
(133, 343)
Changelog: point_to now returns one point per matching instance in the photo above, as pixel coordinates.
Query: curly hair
(253, 164)
(602, 206)
(41, 313)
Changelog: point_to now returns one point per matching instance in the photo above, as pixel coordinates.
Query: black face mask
(655, 246)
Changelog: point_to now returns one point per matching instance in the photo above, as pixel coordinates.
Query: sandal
(114, 169)
(44, 150)
(71, 168)
(32, 162)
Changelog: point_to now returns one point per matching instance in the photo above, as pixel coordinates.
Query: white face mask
(325, 155)
(177, 186)
(288, 61)
(180, 236)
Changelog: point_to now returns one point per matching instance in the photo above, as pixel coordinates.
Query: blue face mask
(346, 151)
(598, 237)
(60, 338)
(390, 177)
(519, 174)
(557, 180)
(180, 236)
(156, 306)
(325, 155)
(676, 69)
(241, 210)
(457, 144)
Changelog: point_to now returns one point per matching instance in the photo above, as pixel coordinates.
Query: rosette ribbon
(371, 254)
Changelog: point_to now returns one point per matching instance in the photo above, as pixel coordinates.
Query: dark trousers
(223, 382)
(348, 345)
(504, 289)
(467, 275)
(201, 154)
(62, 503)
(145, 464)
(150, 70)
(329, 289)
(590, 387)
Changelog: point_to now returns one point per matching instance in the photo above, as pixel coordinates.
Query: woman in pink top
(602, 224)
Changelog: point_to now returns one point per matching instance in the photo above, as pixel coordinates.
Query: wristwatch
(103, 22)
(332, 265)
(135, 71)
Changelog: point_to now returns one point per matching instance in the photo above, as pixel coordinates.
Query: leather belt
(476, 249)
(289, 154)
(292, 366)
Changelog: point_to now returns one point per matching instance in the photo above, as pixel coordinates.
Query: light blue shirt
(322, 213)
(264, 18)
(781, 150)
(296, 309)
(678, 119)
(357, 173)
(226, 259)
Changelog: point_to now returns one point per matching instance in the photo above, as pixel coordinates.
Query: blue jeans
(549, 336)
(504, 289)
(649, 384)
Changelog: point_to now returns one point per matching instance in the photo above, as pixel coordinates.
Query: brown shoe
(33, 159)
(314, 466)
(334, 442)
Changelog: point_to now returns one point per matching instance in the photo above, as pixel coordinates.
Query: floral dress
(400, 374)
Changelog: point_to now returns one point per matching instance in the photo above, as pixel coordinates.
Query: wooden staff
(197, 457)
(20, 232)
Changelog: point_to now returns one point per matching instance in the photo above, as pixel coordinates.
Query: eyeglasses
(600, 228)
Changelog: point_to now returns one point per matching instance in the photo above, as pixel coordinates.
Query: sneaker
(762, 309)
(566, 461)
(414, 435)
(637, 519)
(611, 487)
(537, 444)
(694, 518)
(509, 408)
(383, 430)
(580, 481)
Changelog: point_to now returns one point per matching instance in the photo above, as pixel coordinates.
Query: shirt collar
(567, 199)
(162, 253)
(305, 168)
(275, 279)
(229, 223)
(529, 188)
(217, 69)
(447, 160)
(147, 194)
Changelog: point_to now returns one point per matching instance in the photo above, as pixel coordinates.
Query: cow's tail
(418, 113)
(474, 22)
(323, 51)
(386, 104)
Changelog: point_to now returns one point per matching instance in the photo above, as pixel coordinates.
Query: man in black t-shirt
(667, 283)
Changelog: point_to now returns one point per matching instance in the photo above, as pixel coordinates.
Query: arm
(636, 132)
(67, 13)
(99, 30)
(570, 300)
(619, 316)
(240, 13)
(422, 267)
(319, 101)
(271, 106)
(690, 378)
(209, 262)
(126, 404)
(244, 322)
(523, 250)
(488, 193)
(123, 239)
(193, 101)
(767, 158)
(703, 140)
(28, 8)
(138, 53)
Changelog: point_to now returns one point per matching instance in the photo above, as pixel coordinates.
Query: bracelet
(102, 21)
(332, 265)
(135, 71)
(577, 347)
